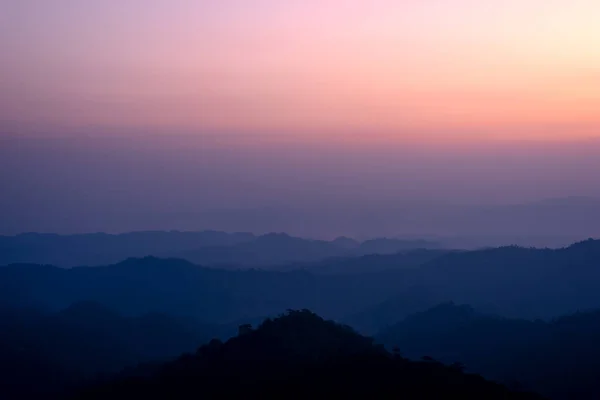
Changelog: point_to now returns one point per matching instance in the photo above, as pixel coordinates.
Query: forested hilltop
(295, 356)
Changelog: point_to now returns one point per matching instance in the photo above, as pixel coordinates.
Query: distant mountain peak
(345, 242)
(587, 244)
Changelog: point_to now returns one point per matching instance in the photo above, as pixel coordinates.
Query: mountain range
(209, 248)
(531, 315)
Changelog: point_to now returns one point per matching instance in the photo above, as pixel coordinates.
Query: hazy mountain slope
(560, 358)
(209, 248)
(520, 282)
(138, 286)
(43, 353)
(369, 263)
(102, 248)
(510, 281)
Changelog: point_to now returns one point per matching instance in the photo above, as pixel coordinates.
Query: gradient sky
(307, 70)
(122, 115)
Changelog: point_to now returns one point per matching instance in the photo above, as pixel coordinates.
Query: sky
(304, 70)
(177, 114)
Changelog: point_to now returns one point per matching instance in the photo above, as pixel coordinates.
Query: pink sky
(308, 70)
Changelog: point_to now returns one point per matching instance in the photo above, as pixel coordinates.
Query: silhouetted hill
(296, 356)
(560, 358)
(207, 248)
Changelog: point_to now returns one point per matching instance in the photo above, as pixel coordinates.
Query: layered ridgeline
(298, 355)
(510, 281)
(559, 358)
(209, 248)
(91, 320)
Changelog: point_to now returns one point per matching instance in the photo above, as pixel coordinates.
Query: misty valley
(192, 314)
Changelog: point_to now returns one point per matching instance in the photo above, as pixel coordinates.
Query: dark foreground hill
(299, 355)
(560, 358)
(41, 354)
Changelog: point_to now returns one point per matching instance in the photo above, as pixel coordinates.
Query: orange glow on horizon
(312, 70)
